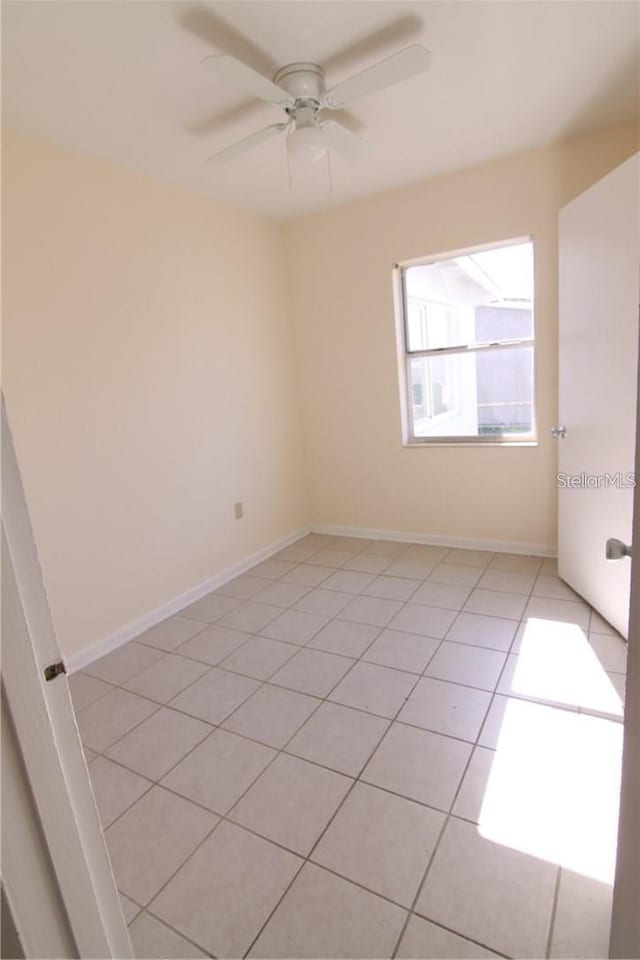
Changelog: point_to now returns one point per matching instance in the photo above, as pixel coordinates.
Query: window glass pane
(484, 393)
(475, 298)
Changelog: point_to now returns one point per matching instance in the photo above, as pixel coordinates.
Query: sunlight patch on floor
(553, 787)
(557, 663)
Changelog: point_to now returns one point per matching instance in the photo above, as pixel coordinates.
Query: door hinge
(54, 670)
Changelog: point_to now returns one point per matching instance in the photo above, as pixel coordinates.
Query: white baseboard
(438, 540)
(81, 659)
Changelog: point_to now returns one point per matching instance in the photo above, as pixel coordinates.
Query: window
(467, 344)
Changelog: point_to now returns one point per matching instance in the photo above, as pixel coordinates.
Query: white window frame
(447, 414)
(405, 356)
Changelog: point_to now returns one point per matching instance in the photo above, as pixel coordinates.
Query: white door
(599, 263)
(47, 740)
(625, 917)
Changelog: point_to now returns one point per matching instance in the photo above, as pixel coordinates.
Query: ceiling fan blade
(216, 122)
(222, 37)
(400, 66)
(247, 80)
(346, 118)
(344, 141)
(382, 40)
(247, 143)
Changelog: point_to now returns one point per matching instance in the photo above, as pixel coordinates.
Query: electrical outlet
(238, 510)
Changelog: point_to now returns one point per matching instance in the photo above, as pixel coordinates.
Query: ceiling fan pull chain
(329, 171)
(287, 133)
(286, 150)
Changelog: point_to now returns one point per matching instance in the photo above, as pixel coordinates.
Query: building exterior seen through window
(468, 345)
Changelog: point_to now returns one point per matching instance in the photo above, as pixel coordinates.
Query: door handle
(616, 549)
(559, 432)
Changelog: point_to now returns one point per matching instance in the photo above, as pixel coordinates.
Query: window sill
(425, 444)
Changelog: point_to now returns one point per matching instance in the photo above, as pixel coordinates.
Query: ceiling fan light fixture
(306, 145)
(298, 88)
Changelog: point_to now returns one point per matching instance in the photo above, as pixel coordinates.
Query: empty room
(320, 609)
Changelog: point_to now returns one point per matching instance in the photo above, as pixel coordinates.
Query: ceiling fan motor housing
(304, 81)
(299, 89)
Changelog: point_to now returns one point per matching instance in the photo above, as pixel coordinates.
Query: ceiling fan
(299, 90)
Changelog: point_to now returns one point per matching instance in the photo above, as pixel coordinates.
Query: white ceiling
(122, 81)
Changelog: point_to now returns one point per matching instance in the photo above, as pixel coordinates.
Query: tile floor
(364, 749)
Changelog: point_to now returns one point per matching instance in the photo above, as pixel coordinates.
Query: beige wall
(148, 371)
(359, 474)
(150, 377)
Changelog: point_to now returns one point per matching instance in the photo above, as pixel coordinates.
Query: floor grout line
(456, 933)
(154, 916)
(327, 826)
(554, 910)
(394, 793)
(222, 818)
(322, 700)
(297, 648)
(225, 816)
(449, 813)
